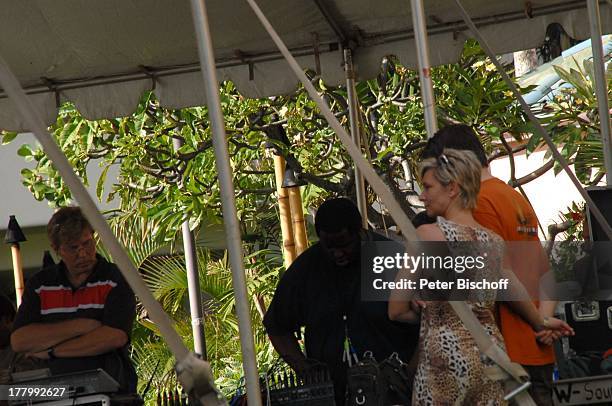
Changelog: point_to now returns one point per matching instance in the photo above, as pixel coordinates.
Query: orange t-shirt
(503, 210)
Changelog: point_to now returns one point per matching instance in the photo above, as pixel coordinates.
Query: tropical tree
(161, 184)
(572, 118)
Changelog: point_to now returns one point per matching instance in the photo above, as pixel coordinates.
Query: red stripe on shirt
(64, 298)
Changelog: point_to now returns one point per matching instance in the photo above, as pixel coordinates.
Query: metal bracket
(52, 85)
(528, 9)
(151, 74)
(585, 311)
(518, 390)
(317, 57)
(244, 58)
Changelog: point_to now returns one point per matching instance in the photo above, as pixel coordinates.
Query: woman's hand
(405, 311)
(417, 305)
(552, 329)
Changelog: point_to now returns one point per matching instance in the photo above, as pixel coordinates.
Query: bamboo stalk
(297, 220)
(284, 209)
(17, 272)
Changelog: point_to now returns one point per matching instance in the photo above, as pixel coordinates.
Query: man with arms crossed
(77, 314)
(503, 210)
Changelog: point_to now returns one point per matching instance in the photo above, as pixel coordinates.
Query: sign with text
(583, 391)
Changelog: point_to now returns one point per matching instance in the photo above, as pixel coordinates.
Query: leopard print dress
(450, 369)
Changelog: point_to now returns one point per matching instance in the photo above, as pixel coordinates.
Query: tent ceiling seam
(81, 83)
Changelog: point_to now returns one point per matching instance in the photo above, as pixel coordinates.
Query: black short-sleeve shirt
(315, 293)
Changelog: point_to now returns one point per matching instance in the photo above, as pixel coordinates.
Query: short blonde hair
(461, 167)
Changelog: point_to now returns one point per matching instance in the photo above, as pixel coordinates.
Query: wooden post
(284, 209)
(17, 272)
(297, 220)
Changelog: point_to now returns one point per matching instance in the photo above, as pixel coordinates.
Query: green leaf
(25, 150)
(100, 183)
(72, 133)
(8, 137)
(39, 187)
(90, 138)
(563, 74)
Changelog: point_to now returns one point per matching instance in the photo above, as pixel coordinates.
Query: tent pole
(193, 282)
(422, 47)
(228, 202)
(538, 126)
(194, 292)
(370, 175)
(353, 106)
(194, 374)
(601, 87)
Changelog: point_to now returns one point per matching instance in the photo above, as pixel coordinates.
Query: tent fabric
(103, 55)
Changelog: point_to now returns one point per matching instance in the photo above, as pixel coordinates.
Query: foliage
(474, 93)
(172, 184)
(572, 119)
(165, 276)
(565, 253)
(575, 216)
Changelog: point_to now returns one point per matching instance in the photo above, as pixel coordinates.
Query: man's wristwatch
(51, 353)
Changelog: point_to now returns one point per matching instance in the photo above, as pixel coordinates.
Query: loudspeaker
(592, 322)
(602, 197)
(601, 274)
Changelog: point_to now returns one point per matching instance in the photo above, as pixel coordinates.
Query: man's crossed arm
(70, 338)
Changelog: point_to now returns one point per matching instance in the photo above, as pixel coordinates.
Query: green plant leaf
(8, 136)
(25, 150)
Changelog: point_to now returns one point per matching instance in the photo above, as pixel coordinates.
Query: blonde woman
(450, 369)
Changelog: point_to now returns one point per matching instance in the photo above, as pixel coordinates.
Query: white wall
(548, 194)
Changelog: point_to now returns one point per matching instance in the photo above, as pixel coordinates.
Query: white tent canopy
(103, 55)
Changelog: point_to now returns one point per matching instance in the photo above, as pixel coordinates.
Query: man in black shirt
(321, 292)
(7, 315)
(78, 314)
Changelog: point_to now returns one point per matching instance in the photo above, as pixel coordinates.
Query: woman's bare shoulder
(430, 232)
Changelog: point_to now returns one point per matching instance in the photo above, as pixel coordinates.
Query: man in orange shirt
(503, 210)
